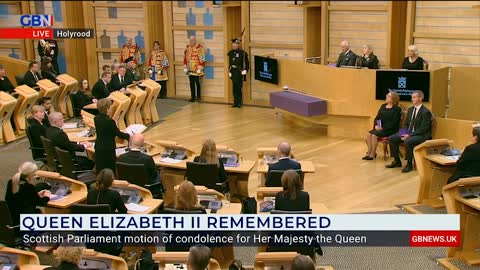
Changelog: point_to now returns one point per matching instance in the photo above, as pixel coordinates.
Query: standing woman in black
(413, 61)
(106, 130)
(386, 123)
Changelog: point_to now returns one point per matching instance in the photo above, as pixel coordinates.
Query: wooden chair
(25, 101)
(7, 107)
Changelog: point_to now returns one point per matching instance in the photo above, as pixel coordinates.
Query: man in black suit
(101, 89)
(468, 165)
(32, 76)
(60, 139)
(130, 71)
(346, 57)
(121, 80)
(417, 129)
(136, 156)
(284, 161)
(46, 102)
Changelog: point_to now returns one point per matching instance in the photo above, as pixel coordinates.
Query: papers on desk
(120, 151)
(57, 197)
(69, 125)
(170, 160)
(135, 129)
(83, 133)
(452, 157)
(134, 207)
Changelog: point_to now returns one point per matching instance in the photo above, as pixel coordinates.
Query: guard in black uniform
(238, 68)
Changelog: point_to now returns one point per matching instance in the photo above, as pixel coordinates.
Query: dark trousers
(163, 89)
(195, 81)
(395, 140)
(237, 81)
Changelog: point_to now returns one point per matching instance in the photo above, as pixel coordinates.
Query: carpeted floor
(341, 258)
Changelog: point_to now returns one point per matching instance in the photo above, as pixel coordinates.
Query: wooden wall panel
(276, 22)
(464, 93)
(447, 33)
(344, 25)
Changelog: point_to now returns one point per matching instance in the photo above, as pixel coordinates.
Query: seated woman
(69, 257)
(83, 97)
(5, 84)
(209, 155)
(468, 165)
(47, 69)
(36, 128)
(386, 123)
(368, 59)
(102, 194)
(21, 195)
(413, 61)
(186, 198)
(292, 198)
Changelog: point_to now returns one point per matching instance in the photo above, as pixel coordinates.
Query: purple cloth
(298, 103)
(403, 131)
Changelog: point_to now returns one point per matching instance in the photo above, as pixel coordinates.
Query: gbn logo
(37, 20)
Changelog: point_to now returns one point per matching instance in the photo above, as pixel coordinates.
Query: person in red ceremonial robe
(130, 50)
(193, 65)
(158, 68)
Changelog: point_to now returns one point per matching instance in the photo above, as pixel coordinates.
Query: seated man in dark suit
(136, 156)
(284, 161)
(60, 139)
(121, 80)
(101, 89)
(32, 76)
(46, 102)
(419, 126)
(346, 57)
(468, 165)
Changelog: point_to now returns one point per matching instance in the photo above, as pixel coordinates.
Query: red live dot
(26, 33)
(435, 238)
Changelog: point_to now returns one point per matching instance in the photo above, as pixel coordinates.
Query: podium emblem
(402, 82)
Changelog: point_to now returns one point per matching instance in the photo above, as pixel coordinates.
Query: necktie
(121, 81)
(35, 76)
(414, 115)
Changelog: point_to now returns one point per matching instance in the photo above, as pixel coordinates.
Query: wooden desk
(78, 189)
(92, 106)
(26, 99)
(117, 263)
(263, 192)
(434, 170)
(33, 267)
(442, 159)
(88, 118)
(137, 97)
(173, 174)
(68, 84)
(469, 211)
(7, 107)
(147, 198)
(21, 257)
(149, 108)
(163, 258)
(151, 148)
(72, 136)
(49, 89)
(120, 106)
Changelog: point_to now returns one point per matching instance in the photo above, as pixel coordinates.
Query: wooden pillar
(167, 22)
(324, 32)
(75, 49)
(397, 16)
(154, 30)
(90, 44)
(28, 48)
(410, 24)
(245, 19)
(232, 27)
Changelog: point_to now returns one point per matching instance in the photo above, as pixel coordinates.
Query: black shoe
(239, 106)
(407, 168)
(192, 100)
(365, 157)
(394, 164)
(369, 158)
(234, 106)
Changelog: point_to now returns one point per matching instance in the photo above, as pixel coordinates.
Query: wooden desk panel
(72, 136)
(7, 107)
(442, 159)
(24, 257)
(33, 267)
(147, 198)
(233, 208)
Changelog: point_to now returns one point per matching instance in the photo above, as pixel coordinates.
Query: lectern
(462, 197)
(7, 107)
(434, 170)
(149, 109)
(26, 99)
(120, 106)
(137, 97)
(21, 258)
(49, 89)
(68, 84)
